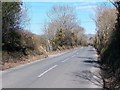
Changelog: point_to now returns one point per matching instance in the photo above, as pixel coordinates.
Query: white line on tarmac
(47, 71)
(65, 60)
(96, 55)
(73, 56)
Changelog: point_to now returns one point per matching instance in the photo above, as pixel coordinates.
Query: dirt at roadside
(20, 62)
(29, 59)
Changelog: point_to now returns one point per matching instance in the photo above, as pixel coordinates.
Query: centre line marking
(65, 60)
(73, 56)
(47, 71)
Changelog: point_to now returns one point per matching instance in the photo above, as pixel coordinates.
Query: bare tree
(105, 22)
(63, 19)
(107, 41)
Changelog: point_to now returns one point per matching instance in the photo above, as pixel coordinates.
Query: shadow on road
(86, 57)
(91, 50)
(92, 77)
(91, 61)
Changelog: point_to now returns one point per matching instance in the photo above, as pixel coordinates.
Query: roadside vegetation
(19, 45)
(63, 31)
(107, 43)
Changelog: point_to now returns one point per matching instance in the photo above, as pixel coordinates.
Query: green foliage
(16, 42)
(62, 39)
(58, 39)
(13, 41)
(11, 18)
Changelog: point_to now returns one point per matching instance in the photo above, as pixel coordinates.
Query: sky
(85, 10)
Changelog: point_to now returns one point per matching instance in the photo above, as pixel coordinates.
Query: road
(54, 72)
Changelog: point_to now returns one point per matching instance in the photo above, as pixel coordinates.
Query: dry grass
(25, 60)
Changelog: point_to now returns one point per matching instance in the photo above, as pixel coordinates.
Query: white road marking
(73, 56)
(96, 55)
(39, 60)
(47, 71)
(65, 60)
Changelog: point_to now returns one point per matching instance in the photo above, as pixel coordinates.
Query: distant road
(54, 72)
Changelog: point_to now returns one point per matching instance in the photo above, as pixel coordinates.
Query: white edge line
(59, 54)
(47, 71)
